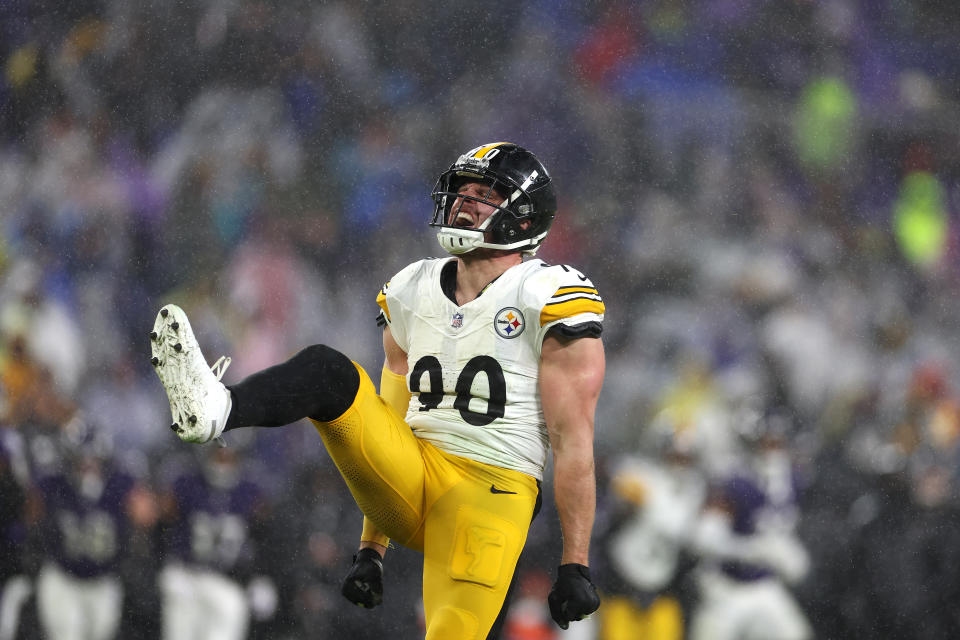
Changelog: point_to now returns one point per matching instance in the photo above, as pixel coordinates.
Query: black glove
(573, 596)
(363, 585)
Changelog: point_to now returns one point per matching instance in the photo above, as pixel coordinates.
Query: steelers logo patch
(509, 322)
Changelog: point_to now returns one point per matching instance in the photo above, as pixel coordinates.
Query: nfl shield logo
(457, 320)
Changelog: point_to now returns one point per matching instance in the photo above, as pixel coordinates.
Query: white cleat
(199, 402)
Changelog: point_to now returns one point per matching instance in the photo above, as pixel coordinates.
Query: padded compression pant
(437, 503)
(469, 519)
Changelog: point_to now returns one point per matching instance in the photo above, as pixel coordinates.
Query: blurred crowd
(764, 192)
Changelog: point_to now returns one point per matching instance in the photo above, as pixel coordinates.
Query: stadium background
(765, 193)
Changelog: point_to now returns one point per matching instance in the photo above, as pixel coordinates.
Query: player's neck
(475, 272)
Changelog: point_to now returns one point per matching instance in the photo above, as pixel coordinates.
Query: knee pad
(331, 377)
(452, 622)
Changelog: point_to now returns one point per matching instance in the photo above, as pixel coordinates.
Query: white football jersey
(473, 368)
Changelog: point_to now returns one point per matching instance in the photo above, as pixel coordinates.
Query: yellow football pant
(439, 504)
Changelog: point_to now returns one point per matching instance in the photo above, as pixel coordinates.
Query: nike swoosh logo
(493, 489)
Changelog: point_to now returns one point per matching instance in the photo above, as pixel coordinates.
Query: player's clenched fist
(573, 596)
(363, 585)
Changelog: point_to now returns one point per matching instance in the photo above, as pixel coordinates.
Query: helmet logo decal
(487, 151)
(509, 322)
(481, 156)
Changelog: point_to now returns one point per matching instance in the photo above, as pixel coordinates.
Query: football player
(86, 520)
(490, 360)
(211, 518)
(747, 540)
(15, 587)
(657, 498)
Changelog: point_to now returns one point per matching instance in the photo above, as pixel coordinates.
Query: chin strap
(459, 241)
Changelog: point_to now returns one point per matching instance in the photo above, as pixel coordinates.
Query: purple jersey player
(85, 523)
(747, 541)
(210, 549)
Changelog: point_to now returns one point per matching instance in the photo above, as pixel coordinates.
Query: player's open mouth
(463, 220)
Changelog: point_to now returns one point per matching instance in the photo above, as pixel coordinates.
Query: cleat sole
(171, 353)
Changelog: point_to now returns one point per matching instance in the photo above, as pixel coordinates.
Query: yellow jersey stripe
(482, 151)
(382, 300)
(565, 290)
(560, 310)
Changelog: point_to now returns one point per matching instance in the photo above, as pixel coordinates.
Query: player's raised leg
(382, 463)
(373, 447)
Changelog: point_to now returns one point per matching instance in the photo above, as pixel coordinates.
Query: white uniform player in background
(15, 586)
(657, 502)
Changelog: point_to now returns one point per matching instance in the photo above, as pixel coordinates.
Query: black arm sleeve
(583, 330)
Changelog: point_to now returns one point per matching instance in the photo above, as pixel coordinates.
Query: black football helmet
(521, 221)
